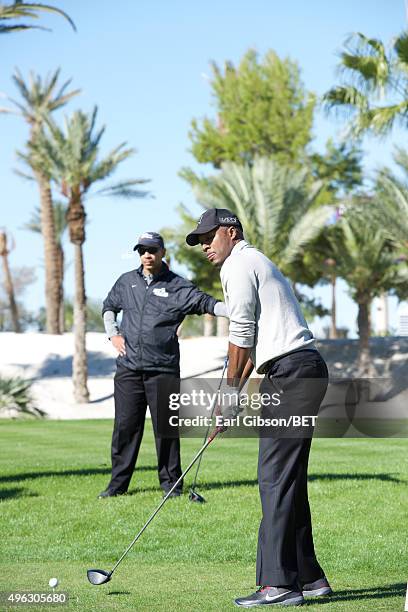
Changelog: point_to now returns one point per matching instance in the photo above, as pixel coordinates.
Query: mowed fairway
(192, 557)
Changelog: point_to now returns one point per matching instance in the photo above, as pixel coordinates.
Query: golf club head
(196, 497)
(98, 576)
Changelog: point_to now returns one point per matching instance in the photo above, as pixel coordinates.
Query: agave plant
(15, 397)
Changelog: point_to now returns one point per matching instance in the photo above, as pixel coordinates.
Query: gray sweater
(264, 312)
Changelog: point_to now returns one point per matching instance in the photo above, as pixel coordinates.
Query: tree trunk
(52, 285)
(382, 315)
(208, 327)
(333, 329)
(60, 252)
(76, 225)
(363, 321)
(8, 283)
(79, 364)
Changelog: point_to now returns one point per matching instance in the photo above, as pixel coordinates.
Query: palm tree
(5, 248)
(60, 224)
(390, 203)
(318, 265)
(371, 74)
(330, 265)
(208, 279)
(71, 157)
(39, 99)
(276, 205)
(367, 260)
(21, 10)
(375, 96)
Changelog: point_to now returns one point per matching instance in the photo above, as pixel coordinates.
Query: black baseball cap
(150, 239)
(209, 220)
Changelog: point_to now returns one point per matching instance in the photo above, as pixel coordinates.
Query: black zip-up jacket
(151, 316)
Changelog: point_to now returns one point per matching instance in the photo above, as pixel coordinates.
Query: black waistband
(268, 364)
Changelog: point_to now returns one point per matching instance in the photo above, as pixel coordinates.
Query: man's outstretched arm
(240, 365)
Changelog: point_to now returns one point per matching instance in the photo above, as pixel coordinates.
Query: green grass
(192, 557)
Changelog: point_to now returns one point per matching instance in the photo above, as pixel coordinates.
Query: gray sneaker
(271, 596)
(317, 588)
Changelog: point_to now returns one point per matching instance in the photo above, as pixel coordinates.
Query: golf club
(193, 495)
(98, 576)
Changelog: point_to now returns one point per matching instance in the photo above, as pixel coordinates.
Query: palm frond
(24, 175)
(60, 220)
(19, 10)
(39, 96)
(9, 111)
(390, 208)
(24, 91)
(368, 68)
(401, 158)
(401, 50)
(370, 73)
(71, 155)
(363, 44)
(9, 29)
(309, 226)
(349, 97)
(382, 118)
(125, 189)
(270, 201)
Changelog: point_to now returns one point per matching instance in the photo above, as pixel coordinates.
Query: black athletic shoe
(175, 493)
(109, 493)
(272, 596)
(317, 588)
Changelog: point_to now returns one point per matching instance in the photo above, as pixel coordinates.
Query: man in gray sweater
(268, 331)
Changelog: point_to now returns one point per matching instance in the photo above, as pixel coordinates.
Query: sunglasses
(151, 250)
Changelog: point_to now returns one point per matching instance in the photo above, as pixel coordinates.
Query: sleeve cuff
(220, 310)
(241, 342)
(111, 326)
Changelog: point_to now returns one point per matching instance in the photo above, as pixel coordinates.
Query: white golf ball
(53, 582)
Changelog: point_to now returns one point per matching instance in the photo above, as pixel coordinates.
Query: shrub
(16, 399)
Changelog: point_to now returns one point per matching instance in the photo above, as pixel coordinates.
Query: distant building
(403, 319)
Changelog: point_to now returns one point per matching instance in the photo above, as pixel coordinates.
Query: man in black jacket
(154, 302)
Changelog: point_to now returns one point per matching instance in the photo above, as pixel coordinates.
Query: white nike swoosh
(269, 598)
(133, 286)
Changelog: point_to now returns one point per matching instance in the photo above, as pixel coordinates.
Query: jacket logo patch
(161, 292)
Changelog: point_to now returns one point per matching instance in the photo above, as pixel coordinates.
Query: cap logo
(147, 235)
(228, 220)
(200, 219)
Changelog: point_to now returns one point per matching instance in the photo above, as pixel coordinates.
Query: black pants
(286, 552)
(134, 390)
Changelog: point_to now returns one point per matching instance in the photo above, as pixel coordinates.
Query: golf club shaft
(208, 428)
(198, 455)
